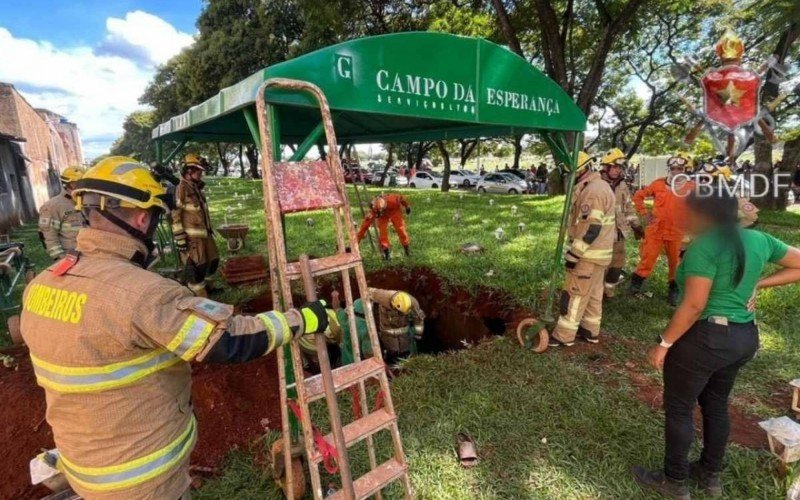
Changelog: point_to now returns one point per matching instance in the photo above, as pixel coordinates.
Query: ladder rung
(359, 429)
(323, 265)
(343, 377)
(374, 480)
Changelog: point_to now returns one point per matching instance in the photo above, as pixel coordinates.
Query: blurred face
(196, 174)
(614, 171)
(696, 222)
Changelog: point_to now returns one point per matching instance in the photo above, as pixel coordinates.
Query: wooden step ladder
(291, 187)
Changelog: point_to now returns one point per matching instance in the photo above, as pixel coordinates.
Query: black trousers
(701, 368)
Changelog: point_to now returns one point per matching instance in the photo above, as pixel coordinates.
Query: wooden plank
(324, 265)
(344, 377)
(374, 480)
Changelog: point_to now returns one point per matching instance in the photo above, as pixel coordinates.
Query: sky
(90, 60)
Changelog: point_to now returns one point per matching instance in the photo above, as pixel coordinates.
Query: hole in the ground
(454, 315)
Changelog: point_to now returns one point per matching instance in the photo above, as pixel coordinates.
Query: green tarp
(393, 88)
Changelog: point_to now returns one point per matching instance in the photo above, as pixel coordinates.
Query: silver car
(501, 183)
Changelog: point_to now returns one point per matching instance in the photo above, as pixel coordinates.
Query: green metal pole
(159, 151)
(252, 124)
(175, 151)
(562, 231)
(308, 143)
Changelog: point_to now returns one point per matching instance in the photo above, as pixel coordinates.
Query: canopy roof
(392, 88)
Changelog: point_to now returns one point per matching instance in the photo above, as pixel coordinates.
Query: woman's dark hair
(722, 208)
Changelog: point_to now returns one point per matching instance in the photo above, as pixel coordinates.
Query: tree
(135, 140)
(446, 158)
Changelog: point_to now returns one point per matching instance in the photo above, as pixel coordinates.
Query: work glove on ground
(315, 317)
(181, 241)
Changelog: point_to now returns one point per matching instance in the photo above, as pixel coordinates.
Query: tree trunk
(517, 150)
(241, 160)
(446, 159)
(467, 147)
(223, 159)
(508, 31)
(389, 162)
(252, 159)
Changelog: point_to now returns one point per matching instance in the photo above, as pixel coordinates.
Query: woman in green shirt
(712, 334)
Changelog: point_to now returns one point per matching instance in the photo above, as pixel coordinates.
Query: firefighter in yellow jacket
(613, 164)
(591, 239)
(111, 344)
(59, 220)
(191, 227)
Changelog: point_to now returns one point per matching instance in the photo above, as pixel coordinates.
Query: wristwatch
(663, 343)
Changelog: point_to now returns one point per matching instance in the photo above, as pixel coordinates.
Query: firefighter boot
(407, 250)
(636, 284)
(387, 254)
(672, 294)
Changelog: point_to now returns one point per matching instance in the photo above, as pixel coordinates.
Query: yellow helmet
(191, 159)
(119, 181)
(712, 170)
(681, 159)
(614, 157)
(585, 162)
(71, 174)
(401, 302)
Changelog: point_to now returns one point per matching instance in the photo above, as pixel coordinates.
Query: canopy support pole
(311, 139)
(175, 151)
(159, 152)
(252, 125)
(571, 161)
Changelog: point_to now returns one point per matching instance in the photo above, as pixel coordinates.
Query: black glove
(315, 317)
(571, 261)
(181, 241)
(408, 210)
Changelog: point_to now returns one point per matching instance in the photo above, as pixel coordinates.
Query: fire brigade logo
(730, 96)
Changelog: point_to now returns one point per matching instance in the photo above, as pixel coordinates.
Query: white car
(464, 178)
(428, 180)
(502, 183)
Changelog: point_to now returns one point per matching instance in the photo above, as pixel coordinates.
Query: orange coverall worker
(392, 212)
(591, 240)
(665, 230)
(111, 345)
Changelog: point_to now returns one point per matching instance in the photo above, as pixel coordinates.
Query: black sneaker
(587, 336)
(655, 480)
(554, 342)
(636, 284)
(672, 295)
(708, 481)
(387, 254)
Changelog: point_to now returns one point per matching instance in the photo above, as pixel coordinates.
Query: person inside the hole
(398, 317)
(386, 208)
(711, 335)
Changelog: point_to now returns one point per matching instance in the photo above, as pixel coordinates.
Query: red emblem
(731, 96)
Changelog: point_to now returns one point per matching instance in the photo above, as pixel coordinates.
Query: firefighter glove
(315, 317)
(571, 260)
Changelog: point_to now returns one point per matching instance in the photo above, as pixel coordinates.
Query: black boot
(386, 254)
(656, 480)
(708, 481)
(407, 250)
(636, 284)
(587, 336)
(672, 295)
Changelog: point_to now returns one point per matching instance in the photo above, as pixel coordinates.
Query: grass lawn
(557, 425)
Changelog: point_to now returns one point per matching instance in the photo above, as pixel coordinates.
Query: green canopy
(393, 88)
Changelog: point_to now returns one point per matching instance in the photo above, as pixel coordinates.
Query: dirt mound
(234, 406)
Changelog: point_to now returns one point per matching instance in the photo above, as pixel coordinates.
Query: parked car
(428, 180)
(520, 174)
(498, 182)
(357, 174)
(464, 178)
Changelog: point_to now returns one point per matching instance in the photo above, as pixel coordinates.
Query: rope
(327, 450)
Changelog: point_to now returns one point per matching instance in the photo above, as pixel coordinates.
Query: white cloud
(93, 87)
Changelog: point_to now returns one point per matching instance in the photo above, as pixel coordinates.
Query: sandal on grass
(466, 449)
